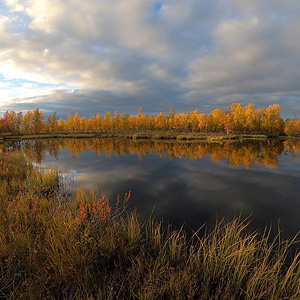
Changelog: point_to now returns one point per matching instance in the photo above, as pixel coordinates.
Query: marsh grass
(89, 249)
(142, 135)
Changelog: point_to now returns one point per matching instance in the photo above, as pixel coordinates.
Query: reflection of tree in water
(292, 146)
(35, 151)
(246, 153)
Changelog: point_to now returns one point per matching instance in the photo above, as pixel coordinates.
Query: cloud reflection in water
(189, 187)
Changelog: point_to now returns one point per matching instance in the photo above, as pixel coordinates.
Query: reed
(87, 248)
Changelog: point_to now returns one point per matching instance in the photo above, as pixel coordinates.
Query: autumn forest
(237, 119)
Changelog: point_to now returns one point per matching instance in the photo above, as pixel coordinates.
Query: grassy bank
(155, 135)
(86, 248)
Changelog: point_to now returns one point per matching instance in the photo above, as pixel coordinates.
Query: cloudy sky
(99, 55)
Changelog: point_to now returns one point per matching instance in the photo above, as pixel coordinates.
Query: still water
(190, 183)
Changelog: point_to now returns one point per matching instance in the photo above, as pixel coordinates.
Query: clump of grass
(255, 136)
(87, 248)
(181, 137)
(157, 137)
(44, 182)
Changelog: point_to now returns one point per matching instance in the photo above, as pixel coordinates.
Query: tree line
(237, 119)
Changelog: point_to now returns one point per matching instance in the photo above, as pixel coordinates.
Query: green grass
(86, 248)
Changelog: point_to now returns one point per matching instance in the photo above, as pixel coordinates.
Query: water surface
(191, 183)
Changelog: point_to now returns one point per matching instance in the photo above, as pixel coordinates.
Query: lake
(191, 183)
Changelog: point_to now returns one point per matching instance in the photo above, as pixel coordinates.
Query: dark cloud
(88, 102)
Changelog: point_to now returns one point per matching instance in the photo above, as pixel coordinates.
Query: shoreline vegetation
(55, 246)
(142, 135)
(147, 135)
(237, 122)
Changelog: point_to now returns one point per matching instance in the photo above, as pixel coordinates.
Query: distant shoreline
(153, 135)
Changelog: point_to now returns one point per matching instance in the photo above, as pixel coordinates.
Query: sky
(94, 56)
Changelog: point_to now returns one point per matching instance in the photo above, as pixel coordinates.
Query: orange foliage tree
(237, 119)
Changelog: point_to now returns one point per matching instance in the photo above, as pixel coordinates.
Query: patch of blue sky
(15, 83)
(17, 21)
(97, 48)
(4, 10)
(20, 82)
(157, 6)
(2, 78)
(281, 17)
(206, 47)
